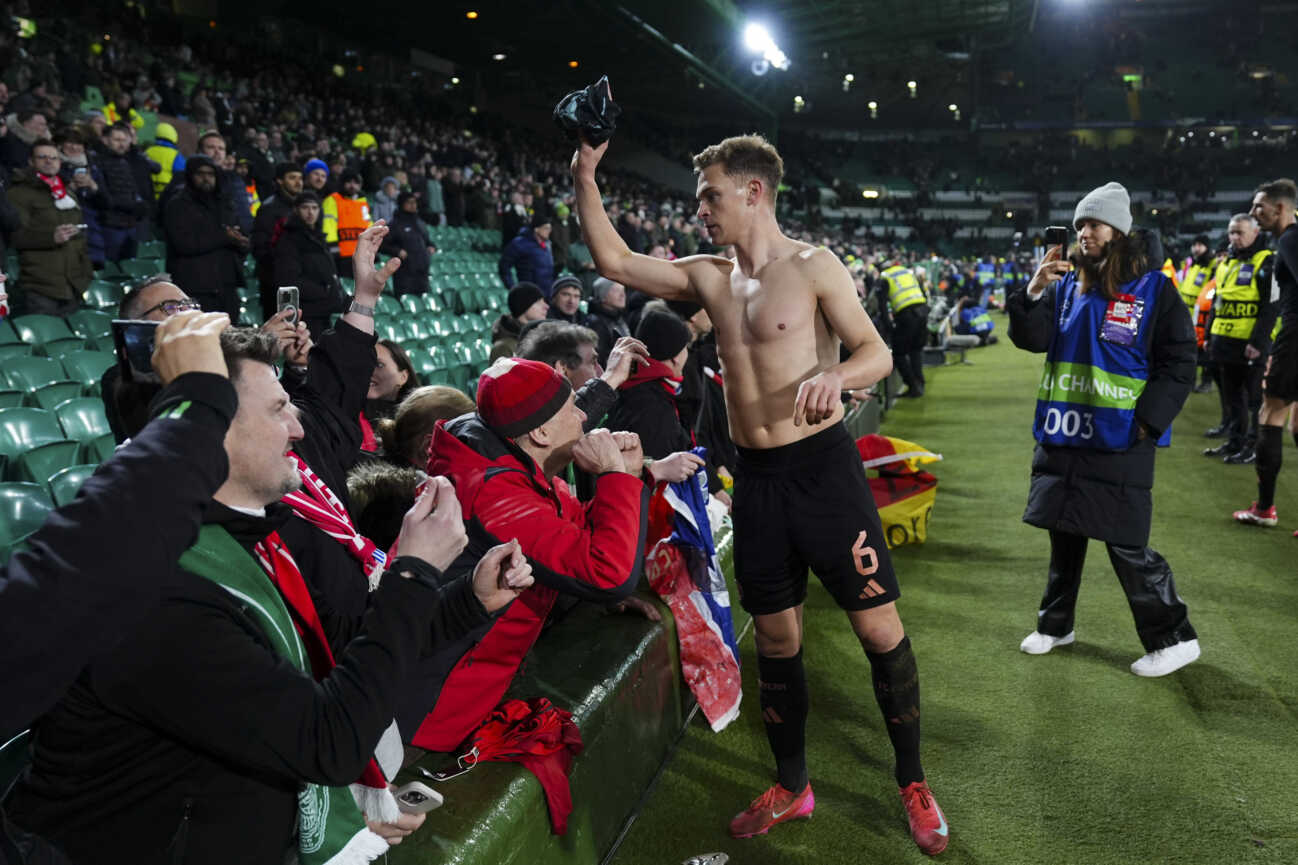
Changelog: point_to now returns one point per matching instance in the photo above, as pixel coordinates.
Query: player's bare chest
(771, 308)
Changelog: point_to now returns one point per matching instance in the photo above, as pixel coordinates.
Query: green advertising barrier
(620, 676)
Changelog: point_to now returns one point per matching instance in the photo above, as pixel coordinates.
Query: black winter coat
(409, 234)
(302, 258)
(201, 258)
(190, 741)
(609, 326)
(1107, 495)
(649, 411)
(118, 202)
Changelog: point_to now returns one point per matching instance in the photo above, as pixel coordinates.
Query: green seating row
(78, 371)
(35, 443)
(25, 505)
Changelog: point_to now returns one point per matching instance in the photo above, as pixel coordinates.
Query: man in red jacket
(503, 460)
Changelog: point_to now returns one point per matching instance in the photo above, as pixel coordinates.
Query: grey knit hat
(1109, 204)
(601, 287)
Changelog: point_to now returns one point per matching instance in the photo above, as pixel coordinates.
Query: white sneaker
(1037, 643)
(1169, 660)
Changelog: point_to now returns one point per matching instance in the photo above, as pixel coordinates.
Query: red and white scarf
(55, 183)
(371, 789)
(319, 506)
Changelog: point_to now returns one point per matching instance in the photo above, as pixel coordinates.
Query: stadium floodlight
(849, 78)
(455, 80)
(758, 40)
(953, 107)
(497, 57)
(874, 109)
(869, 193)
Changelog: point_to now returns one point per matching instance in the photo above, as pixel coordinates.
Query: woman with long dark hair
(394, 377)
(1120, 356)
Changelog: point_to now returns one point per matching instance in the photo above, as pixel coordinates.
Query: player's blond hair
(745, 156)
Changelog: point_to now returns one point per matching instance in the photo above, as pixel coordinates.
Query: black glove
(589, 114)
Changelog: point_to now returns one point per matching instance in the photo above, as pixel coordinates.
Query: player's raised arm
(613, 258)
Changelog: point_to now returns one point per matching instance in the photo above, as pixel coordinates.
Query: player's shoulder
(816, 263)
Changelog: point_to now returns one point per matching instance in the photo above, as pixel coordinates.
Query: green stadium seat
(387, 328)
(152, 249)
(45, 460)
(23, 508)
(12, 398)
(91, 324)
(140, 268)
(24, 428)
(113, 271)
(82, 418)
(65, 483)
(15, 349)
(100, 448)
(40, 329)
(411, 303)
(388, 305)
(9, 336)
(250, 314)
(87, 367)
(50, 395)
(29, 373)
(104, 295)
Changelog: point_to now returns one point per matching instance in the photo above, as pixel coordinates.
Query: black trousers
(1161, 616)
(909, 330)
(1241, 390)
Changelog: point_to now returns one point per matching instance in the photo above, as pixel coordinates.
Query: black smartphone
(133, 342)
(1057, 235)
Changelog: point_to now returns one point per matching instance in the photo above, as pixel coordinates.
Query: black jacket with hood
(201, 258)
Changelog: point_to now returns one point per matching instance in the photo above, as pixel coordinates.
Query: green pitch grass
(1061, 759)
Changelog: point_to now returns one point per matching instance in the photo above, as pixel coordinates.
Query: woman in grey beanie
(1120, 355)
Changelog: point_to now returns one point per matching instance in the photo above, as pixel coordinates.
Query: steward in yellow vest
(166, 153)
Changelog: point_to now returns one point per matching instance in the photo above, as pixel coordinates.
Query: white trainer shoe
(1169, 660)
(1037, 643)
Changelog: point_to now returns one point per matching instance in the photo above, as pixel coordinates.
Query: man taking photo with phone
(53, 262)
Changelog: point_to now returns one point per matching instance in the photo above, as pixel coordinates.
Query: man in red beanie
(503, 460)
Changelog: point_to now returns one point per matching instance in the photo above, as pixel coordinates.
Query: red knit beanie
(516, 396)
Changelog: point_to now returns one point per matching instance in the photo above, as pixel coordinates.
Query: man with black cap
(270, 216)
(565, 300)
(204, 248)
(505, 461)
(346, 215)
(646, 401)
(526, 304)
(527, 258)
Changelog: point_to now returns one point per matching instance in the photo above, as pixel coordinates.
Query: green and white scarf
(331, 829)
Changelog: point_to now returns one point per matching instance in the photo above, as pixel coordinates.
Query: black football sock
(896, 687)
(1269, 444)
(783, 685)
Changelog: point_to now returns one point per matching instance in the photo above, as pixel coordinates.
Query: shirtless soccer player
(801, 498)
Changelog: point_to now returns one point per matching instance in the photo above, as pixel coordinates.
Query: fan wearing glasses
(157, 298)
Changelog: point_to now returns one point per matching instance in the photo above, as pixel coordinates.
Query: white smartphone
(417, 798)
(287, 298)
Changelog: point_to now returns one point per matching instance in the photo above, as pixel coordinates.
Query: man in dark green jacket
(53, 261)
